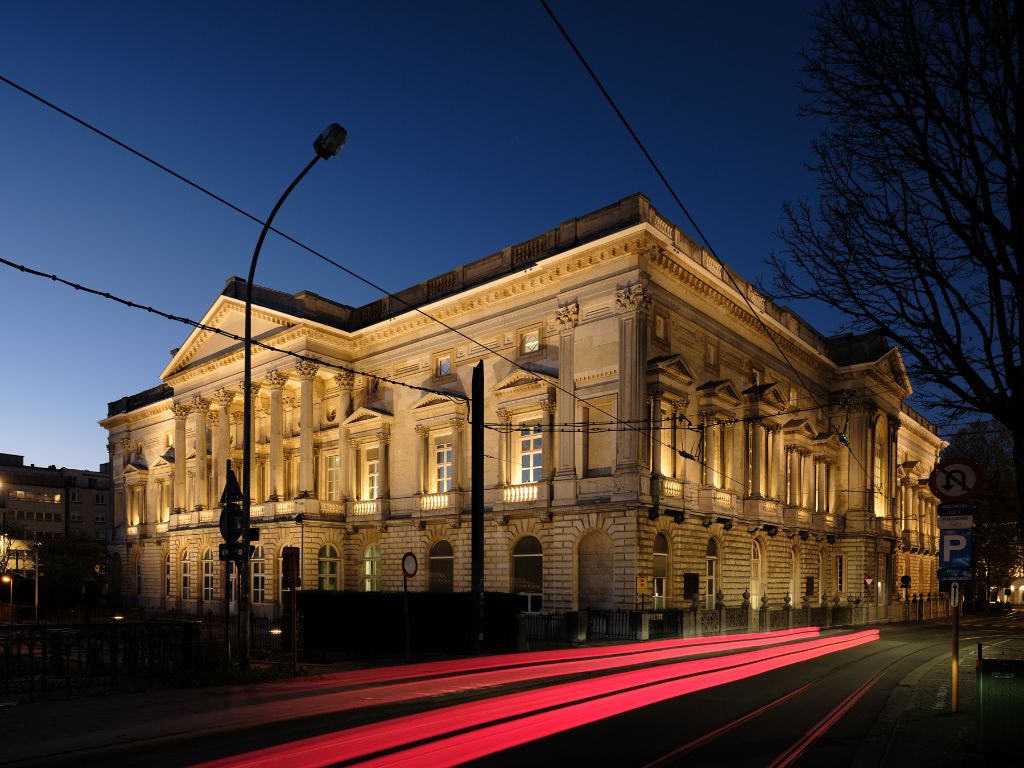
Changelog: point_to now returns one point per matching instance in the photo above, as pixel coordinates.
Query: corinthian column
(345, 381)
(307, 371)
(222, 440)
(201, 407)
(276, 381)
(181, 412)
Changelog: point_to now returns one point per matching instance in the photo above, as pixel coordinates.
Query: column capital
(254, 388)
(224, 397)
(181, 411)
(505, 415)
(548, 405)
(457, 424)
(633, 298)
(200, 404)
(276, 380)
(568, 316)
(345, 379)
(213, 417)
(384, 436)
(306, 369)
(236, 417)
(421, 431)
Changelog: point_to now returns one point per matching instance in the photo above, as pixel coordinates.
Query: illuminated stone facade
(615, 351)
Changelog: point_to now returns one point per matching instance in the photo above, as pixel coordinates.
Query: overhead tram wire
(678, 200)
(303, 246)
(219, 331)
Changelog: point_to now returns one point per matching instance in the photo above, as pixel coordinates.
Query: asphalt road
(833, 710)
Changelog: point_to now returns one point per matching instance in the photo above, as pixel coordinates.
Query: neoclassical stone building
(645, 433)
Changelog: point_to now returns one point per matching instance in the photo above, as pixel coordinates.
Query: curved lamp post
(327, 145)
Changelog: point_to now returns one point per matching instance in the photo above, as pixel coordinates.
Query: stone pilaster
(343, 410)
(181, 411)
(276, 381)
(307, 372)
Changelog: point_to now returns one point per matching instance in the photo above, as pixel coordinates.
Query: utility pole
(476, 449)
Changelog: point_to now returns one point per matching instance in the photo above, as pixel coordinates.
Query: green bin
(1000, 703)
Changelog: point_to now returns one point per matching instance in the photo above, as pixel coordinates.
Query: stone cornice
(661, 259)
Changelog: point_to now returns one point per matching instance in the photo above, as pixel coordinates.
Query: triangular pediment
(366, 417)
(434, 402)
(227, 314)
(521, 380)
(719, 390)
(800, 427)
(161, 463)
(769, 394)
(672, 367)
(136, 468)
(894, 373)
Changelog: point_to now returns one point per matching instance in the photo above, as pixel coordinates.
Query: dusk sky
(472, 126)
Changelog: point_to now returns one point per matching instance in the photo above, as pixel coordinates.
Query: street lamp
(326, 146)
(6, 579)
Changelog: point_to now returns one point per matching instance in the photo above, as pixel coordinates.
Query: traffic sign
(945, 509)
(959, 521)
(409, 565)
(955, 548)
(954, 574)
(955, 479)
(232, 551)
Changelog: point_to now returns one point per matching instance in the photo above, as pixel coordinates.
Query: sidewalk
(916, 727)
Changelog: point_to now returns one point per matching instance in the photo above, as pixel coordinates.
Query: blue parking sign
(955, 548)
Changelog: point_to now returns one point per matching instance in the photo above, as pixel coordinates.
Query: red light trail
(581, 702)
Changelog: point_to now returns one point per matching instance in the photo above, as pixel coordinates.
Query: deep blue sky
(471, 127)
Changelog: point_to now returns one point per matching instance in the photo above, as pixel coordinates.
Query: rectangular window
(208, 579)
(76, 497)
(530, 341)
(259, 580)
(333, 478)
(75, 516)
(100, 519)
(840, 574)
(531, 450)
(373, 473)
(443, 467)
(443, 368)
(101, 498)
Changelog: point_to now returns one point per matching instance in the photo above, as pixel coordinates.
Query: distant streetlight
(326, 146)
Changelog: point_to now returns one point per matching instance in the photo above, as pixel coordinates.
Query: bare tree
(918, 228)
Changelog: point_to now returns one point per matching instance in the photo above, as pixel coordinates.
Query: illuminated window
(209, 574)
(186, 575)
(371, 569)
(710, 573)
(840, 574)
(756, 575)
(332, 490)
(529, 341)
(372, 473)
(531, 450)
(660, 570)
(443, 467)
(443, 366)
(327, 568)
(528, 573)
(258, 569)
(441, 564)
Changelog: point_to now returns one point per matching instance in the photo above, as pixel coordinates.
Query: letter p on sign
(955, 551)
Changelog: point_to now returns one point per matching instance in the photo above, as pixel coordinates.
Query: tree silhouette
(917, 232)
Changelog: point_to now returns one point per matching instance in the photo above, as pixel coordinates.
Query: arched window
(167, 575)
(528, 573)
(327, 568)
(138, 575)
(756, 575)
(371, 568)
(186, 575)
(441, 567)
(209, 574)
(711, 574)
(258, 569)
(660, 570)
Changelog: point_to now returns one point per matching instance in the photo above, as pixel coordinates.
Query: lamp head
(5, 579)
(330, 142)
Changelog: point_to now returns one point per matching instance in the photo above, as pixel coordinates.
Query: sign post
(292, 580)
(231, 531)
(954, 481)
(408, 571)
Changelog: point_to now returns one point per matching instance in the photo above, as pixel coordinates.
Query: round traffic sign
(955, 480)
(409, 565)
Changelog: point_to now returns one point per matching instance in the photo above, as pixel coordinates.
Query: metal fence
(38, 659)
